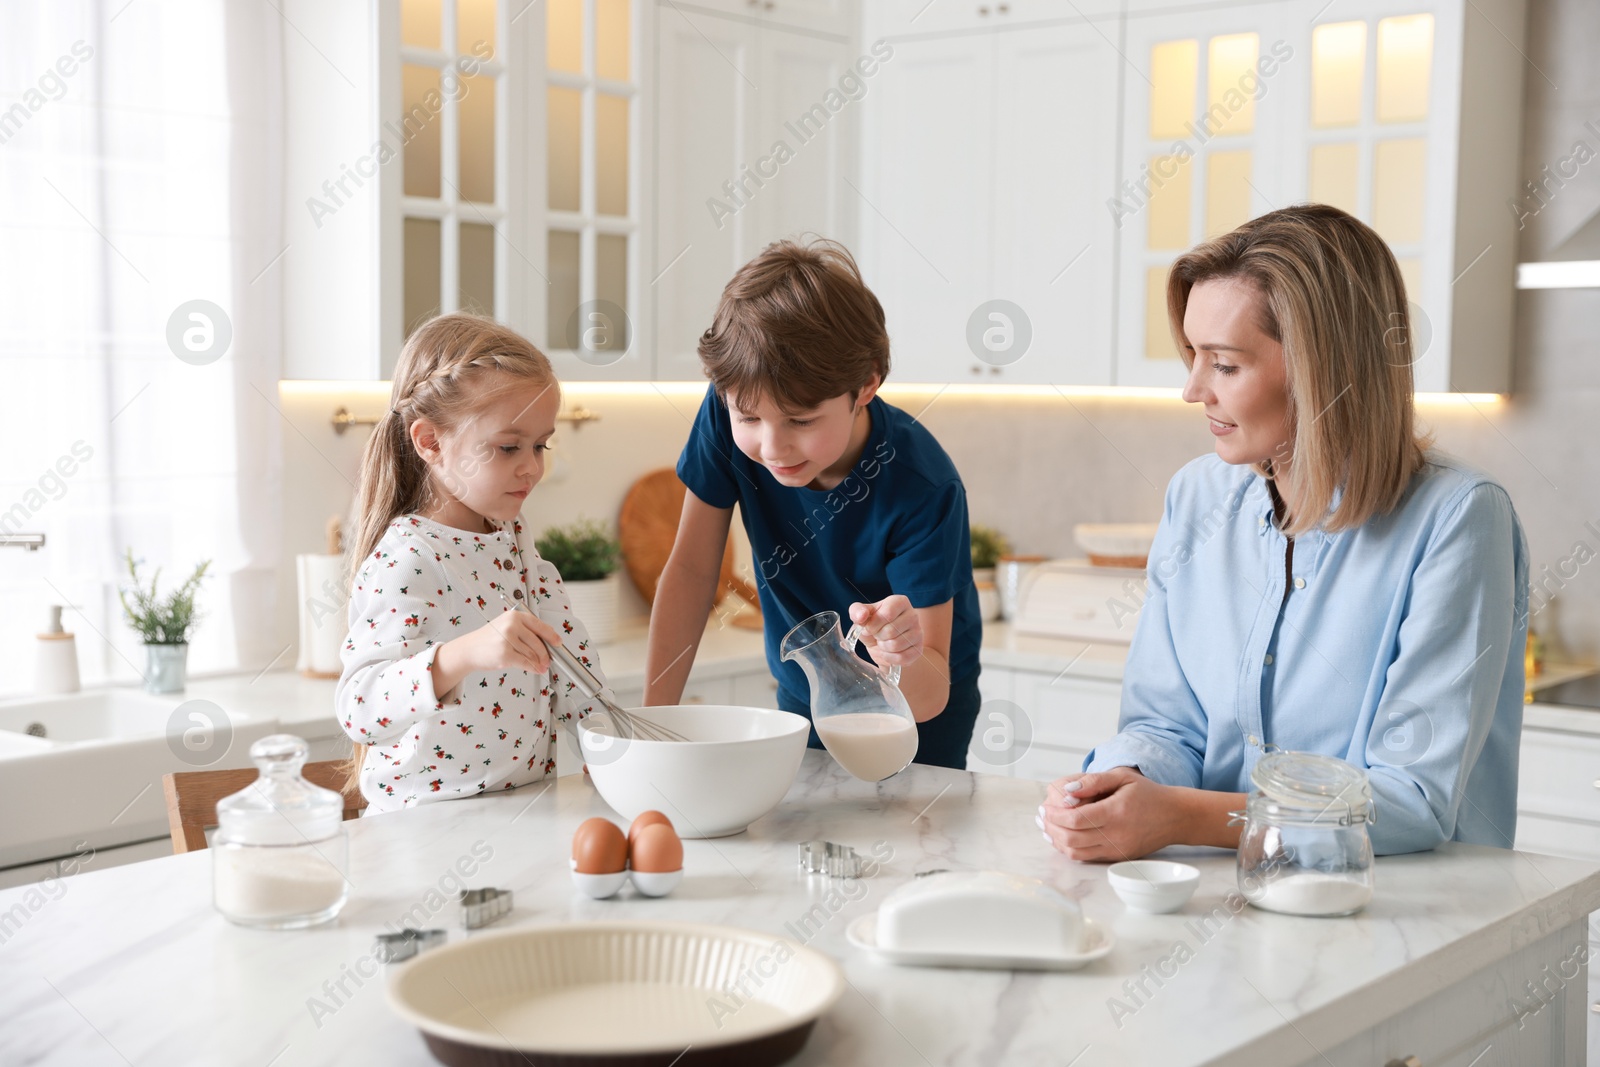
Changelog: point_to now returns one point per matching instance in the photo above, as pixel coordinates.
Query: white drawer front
(1074, 713)
(1558, 837)
(1558, 774)
(1045, 764)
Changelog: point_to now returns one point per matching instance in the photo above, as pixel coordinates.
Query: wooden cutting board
(647, 526)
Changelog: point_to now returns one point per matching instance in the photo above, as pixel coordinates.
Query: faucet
(30, 541)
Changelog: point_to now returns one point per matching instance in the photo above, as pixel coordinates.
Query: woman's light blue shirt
(1399, 648)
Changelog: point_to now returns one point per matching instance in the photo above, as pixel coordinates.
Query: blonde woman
(448, 690)
(1325, 582)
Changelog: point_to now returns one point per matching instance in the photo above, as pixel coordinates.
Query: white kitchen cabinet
(926, 200)
(983, 172)
(1066, 716)
(333, 320)
(85, 859)
(902, 18)
(405, 168)
(1199, 156)
(835, 17)
(1431, 163)
(754, 141)
(1363, 105)
(589, 185)
(1558, 786)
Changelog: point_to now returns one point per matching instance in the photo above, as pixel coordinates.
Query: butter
(980, 913)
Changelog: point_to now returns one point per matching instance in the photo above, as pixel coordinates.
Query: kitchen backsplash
(1035, 465)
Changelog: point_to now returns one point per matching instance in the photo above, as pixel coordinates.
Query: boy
(847, 501)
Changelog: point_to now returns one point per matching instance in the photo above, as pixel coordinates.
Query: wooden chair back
(192, 797)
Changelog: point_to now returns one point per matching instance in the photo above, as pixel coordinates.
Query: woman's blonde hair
(450, 366)
(1331, 293)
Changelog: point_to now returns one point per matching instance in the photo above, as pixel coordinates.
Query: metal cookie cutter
(829, 858)
(480, 907)
(392, 948)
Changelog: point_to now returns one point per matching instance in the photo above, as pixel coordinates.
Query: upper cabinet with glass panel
(453, 216)
(1200, 156)
(1405, 114)
(422, 136)
(590, 244)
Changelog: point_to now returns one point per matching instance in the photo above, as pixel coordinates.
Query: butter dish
(981, 919)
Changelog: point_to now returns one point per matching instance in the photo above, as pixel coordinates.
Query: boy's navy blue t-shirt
(897, 523)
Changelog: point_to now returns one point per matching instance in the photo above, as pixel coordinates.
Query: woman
(1324, 582)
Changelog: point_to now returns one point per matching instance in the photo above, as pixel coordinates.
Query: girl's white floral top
(424, 585)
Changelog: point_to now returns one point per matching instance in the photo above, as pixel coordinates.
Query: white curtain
(140, 171)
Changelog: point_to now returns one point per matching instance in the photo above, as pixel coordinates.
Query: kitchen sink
(96, 716)
(84, 770)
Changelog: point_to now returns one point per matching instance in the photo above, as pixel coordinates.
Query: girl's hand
(511, 640)
(1110, 816)
(890, 629)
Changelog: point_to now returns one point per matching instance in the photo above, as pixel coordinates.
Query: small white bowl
(1154, 886)
(656, 883)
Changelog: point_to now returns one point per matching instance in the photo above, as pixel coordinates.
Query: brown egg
(656, 849)
(599, 847)
(646, 818)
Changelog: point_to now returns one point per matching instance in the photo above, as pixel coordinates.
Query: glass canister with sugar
(280, 852)
(1305, 849)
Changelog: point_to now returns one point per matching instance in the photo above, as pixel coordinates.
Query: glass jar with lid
(280, 851)
(1305, 849)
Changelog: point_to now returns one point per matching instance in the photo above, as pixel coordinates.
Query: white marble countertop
(132, 965)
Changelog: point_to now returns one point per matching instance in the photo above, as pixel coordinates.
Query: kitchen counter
(133, 965)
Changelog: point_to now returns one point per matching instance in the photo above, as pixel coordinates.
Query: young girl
(448, 689)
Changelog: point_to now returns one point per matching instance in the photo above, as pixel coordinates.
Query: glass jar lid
(1307, 787)
(280, 807)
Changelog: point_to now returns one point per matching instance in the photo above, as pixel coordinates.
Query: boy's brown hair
(796, 324)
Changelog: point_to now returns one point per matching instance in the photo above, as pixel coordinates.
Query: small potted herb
(163, 625)
(587, 557)
(988, 545)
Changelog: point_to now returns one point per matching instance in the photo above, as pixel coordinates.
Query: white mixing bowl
(737, 765)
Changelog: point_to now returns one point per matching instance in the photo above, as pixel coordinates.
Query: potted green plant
(988, 545)
(163, 624)
(587, 557)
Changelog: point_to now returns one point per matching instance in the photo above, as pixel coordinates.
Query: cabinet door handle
(1409, 1061)
(983, 10)
(1003, 8)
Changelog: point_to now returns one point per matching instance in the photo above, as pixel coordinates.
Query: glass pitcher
(857, 707)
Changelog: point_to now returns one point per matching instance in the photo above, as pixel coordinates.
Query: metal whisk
(627, 723)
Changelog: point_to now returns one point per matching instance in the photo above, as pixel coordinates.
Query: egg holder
(648, 883)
